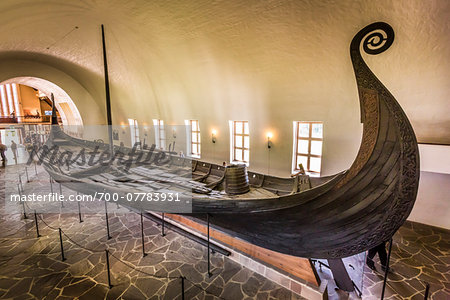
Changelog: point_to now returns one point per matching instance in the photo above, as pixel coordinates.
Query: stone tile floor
(31, 267)
(420, 254)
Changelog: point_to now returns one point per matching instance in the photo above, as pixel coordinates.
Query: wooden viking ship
(329, 217)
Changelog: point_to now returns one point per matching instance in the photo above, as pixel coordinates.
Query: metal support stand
(387, 270)
(36, 222)
(209, 261)
(35, 168)
(340, 274)
(358, 291)
(142, 235)
(107, 221)
(61, 242)
(320, 264)
(162, 225)
(107, 267)
(79, 212)
(51, 185)
(26, 172)
(182, 287)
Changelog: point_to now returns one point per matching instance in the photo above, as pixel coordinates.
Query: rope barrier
(51, 227)
(163, 277)
(85, 248)
(131, 266)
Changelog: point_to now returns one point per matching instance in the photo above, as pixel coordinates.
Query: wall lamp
(213, 136)
(145, 130)
(174, 133)
(269, 142)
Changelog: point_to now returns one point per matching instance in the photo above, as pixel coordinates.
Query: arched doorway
(25, 114)
(70, 116)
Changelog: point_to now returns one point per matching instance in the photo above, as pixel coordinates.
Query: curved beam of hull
(372, 200)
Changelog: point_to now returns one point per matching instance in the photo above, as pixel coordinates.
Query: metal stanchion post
(36, 222)
(60, 193)
(23, 202)
(79, 212)
(209, 262)
(182, 287)
(61, 243)
(387, 270)
(35, 168)
(142, 235)
(26, 172)
(20, 182)
(107, 267)
(162, 226)
(51, 185)
(427, 291)
(107, 221)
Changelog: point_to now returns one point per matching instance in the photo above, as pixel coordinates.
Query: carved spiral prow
(375, 38)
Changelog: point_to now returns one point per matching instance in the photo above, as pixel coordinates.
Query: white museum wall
(270, 63)
(432, 205)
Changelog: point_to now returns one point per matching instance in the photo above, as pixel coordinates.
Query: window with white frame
(194, 138)
(9, 96)
(308, 139)
(160, 134)
(134, 130)
(240, 142)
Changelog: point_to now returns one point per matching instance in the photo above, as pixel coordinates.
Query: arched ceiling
(272, 60)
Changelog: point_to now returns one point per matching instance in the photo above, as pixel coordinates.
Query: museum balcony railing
(25, 119)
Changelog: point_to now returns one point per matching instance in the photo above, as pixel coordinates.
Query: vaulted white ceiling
(276, 61)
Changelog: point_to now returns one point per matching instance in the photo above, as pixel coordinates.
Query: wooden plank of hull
(298, 267)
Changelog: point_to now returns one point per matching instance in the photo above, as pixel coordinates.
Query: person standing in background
(3, 148)
(14, 150)
(381, 250)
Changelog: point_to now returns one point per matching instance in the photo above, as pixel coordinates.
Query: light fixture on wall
(269, 136)
(174, 133)
(269, 142)
(145, 129)
(213, 136)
